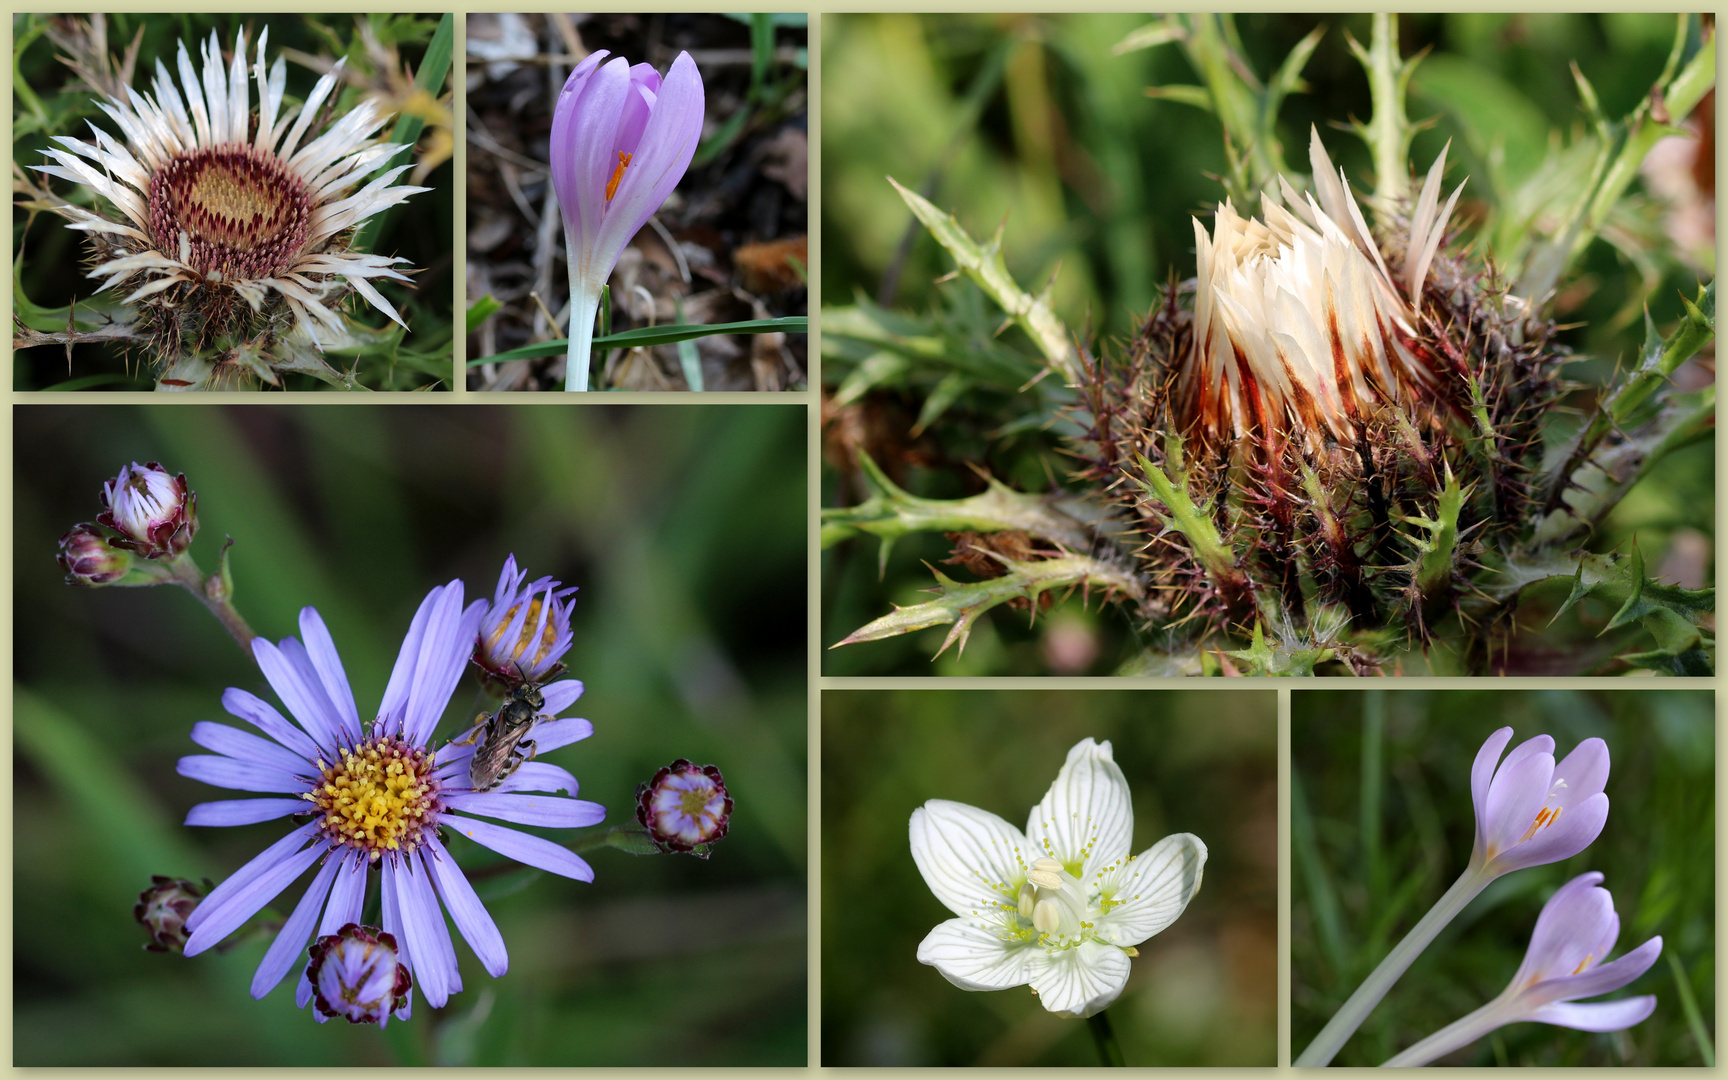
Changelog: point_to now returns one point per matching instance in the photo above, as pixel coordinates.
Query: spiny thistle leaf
(961, 604)
(983, 263)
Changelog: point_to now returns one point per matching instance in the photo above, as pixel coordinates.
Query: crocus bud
(621, 140)
(89, 559)
(357, 974)
(685, 807)
(155, 514)
(524, 631)
(162, 910)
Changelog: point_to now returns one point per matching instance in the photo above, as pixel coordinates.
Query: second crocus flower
(621, 140)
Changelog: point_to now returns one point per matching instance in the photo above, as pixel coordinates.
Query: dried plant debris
(730, 245)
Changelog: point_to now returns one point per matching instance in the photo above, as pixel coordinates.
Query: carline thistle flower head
(232, 222)
(376, 796)
(1350, 412)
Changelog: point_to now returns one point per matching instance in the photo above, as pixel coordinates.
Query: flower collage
(1160, 612)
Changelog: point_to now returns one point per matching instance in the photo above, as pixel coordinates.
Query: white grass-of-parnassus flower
(1300, 324)
(1060, 906)
(234, 221)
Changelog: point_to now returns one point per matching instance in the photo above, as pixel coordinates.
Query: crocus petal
(291, 942)
(1585, 771)
(1154, 889)
(974, 958)
(582, 156)
(1576, 830)
(1515, 796)
(663, 153)
(971, 859)
(1087, 816)
(1597, 1015)
(1597, 980)
(1569, 930)
(1081, 981)
(1482, 773)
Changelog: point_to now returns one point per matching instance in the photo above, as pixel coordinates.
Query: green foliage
(676, 522)
(1382, 822)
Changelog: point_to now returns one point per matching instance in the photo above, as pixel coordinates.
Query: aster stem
(1109, 1050)
(1375, 987)
(1453, 1036)
(216, 593)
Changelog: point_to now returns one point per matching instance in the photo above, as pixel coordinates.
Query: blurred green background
(1203, 992)
(685, 528)
(1383, 823)
(49, 99)
(1033, 122)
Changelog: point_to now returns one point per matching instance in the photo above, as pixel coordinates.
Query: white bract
(1060, 906)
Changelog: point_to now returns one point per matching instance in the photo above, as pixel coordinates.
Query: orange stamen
(617, 175)
(1582, 964)
(1544, 819)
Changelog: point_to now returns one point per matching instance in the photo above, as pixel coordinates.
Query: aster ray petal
(227, 812)
(525, 849)
(262, 715)
(971, 859)
(1082, 981)
(423, 931)
(346, 905)
(326, 665)
(549, 735)
(973, 957)
(538, 776)
(468, 913)
(1152, 891)
(249, 888)
(561, 695)
(244, 746)
(235, 775)
(539, 810)
(311, 710)
(1087, 817)
(290, 944)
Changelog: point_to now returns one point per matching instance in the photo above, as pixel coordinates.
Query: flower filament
(617, 175)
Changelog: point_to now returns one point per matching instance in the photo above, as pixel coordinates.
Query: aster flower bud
(524, 631)
(155, 513)
(162, 910)
(357, 974)
(684, 808)
(89, 558)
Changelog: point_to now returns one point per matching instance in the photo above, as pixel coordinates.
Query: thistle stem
(212, 591)
(1109, 1050)
(1345, 1022)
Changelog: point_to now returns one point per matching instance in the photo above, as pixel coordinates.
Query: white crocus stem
(584, 308)
(1345, 1022)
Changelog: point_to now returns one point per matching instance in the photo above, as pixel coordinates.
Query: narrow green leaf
(481, 310)
(656, 335)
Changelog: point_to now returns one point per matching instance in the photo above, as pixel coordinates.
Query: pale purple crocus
(1529, 812)
(376, 795)
(621, 140)
(1574, 934)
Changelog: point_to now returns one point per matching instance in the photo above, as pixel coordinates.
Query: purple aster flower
(375, 796)
(1530, 811)
(621, 140)
(525, 629)
(1575, 932)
